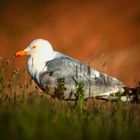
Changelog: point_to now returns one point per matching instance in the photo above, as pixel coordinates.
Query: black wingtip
(135, 92)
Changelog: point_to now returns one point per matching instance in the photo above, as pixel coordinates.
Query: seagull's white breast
(37, 64)
(35, 67)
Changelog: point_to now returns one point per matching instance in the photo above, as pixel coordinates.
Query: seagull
(63, 77)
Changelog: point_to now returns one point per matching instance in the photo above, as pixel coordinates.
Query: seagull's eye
(34, 47)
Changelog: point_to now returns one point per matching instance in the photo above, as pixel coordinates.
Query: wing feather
(95, 83)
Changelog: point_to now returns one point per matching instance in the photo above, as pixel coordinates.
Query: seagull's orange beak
(21, 53)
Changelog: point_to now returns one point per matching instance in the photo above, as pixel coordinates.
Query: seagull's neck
(37, 64)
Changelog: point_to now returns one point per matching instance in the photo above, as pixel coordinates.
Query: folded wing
(73, 72)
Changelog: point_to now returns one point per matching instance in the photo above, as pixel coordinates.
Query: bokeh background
(105, 34)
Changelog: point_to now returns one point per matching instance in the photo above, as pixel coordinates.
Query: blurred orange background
(105, 34)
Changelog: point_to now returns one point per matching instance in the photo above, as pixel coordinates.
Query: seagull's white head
(39, 51)
(38, 48)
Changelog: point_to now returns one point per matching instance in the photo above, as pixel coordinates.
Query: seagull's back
(72, 72)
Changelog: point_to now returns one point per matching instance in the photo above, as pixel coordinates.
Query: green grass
(27, 114)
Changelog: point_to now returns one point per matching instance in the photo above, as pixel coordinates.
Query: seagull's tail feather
(130, 95)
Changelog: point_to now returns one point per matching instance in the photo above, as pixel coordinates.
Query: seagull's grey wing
(63, 67)
(73, 72)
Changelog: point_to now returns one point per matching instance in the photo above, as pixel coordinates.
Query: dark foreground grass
(26, 114)
(43, 118)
